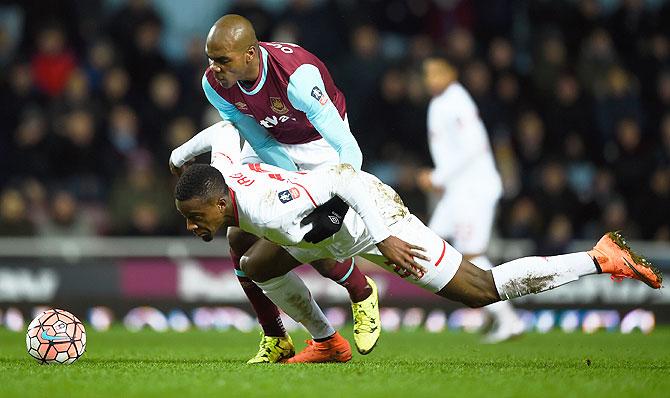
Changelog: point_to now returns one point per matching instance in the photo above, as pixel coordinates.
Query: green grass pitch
(405, 364)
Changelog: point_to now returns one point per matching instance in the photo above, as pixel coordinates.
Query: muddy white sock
(528, 275)
(290, 294)
(502, 311)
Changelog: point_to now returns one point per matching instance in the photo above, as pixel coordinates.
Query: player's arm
(322, 113)
(345, 182)
(266, 147)
(221, 138)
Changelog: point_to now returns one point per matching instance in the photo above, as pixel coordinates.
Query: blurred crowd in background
(575, 96)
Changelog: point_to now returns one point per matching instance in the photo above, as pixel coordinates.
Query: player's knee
(247, 266)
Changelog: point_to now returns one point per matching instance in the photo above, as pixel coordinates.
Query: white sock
(502, 311)
(528, 275)
(290, 294)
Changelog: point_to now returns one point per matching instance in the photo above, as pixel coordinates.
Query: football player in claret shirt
(270, 202)
(287, 108)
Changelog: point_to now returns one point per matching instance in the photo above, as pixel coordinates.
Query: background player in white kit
(270, 203)
(466, 179)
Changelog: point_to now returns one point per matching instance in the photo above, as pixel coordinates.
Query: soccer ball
(56, 336)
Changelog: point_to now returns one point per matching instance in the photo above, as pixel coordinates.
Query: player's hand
(177, 171)
(423, 180)
(403, 255)
(326, 220)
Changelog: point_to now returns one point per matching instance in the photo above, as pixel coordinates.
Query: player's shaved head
(232, 31)
(232, 49)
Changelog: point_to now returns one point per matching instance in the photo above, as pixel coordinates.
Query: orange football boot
(335, 349)
(613, 256)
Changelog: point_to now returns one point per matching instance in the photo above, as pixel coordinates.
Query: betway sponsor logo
(271, 121)
(24, 284)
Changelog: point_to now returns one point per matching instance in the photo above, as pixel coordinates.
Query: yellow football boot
(367, 324)
(273, 349)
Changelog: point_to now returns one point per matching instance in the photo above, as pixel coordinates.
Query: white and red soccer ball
(56, 336)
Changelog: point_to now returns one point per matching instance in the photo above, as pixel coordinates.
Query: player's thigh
(265, 260)
(443, 260)
(239, 240)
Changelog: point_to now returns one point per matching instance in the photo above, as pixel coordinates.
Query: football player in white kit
(466, 179)
(272, 203)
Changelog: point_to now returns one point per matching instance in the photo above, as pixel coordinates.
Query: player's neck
(254, 73)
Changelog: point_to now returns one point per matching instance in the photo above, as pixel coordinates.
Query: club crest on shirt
(278, 106)
(288, 195)
(318, 95)
(241, 106)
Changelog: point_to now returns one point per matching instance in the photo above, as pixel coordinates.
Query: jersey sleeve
(307, 93)
(221, 138)
(266, 147)
(346, 182)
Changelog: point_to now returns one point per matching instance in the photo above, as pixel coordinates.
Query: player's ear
(251, 52)
(221, 204)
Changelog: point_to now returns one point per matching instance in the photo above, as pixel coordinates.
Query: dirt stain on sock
(531, 284)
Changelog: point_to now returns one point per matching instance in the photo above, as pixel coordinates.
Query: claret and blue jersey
(293, 101)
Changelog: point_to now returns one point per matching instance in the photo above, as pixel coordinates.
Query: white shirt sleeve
(222, 139)
(344, 181)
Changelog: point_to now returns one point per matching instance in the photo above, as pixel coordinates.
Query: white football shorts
(443, 264)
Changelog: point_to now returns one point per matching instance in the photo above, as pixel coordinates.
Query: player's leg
(270, 266)
(275, 343)
(364, 300)
(362, 290)
(449, 275)
(530, 275)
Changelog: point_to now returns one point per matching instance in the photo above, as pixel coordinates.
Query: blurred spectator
(555, 195)
(568, 112)
(460, 47)
(660, 103)
(552, 59)
(140, 202)
(477, 79)
(116, 86)
(101, 57)
(53, 62)
(596, 57)
(653, 211)
(161, 105)
(13, 214)
(359, 73)
(522, 220)
(558, 237)
(619, 100)
(32, 149)
(65, 218)
(529, 144)
(630, 162)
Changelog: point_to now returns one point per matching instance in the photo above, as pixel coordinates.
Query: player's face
(436, 76)
(204, 217)
(229, 65)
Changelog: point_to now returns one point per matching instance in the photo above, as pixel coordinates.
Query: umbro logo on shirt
(318, 95)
